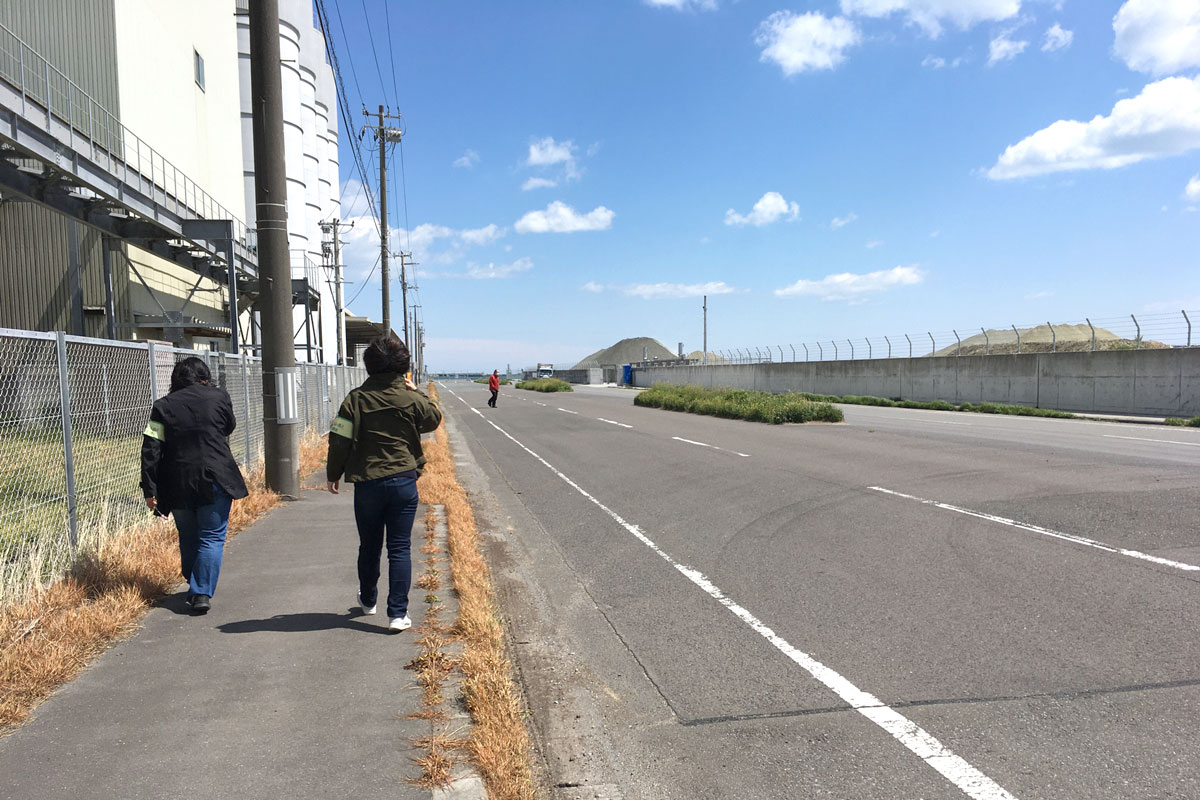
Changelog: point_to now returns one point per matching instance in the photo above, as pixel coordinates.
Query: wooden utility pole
(384, 136)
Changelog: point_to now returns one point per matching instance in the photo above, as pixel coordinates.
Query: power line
(371, 39)
(366, 281)
(391, 52)
(342, 24)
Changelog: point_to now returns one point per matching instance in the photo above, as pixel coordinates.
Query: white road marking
(954, 768)
(568, 411)
(1045, 531)
(1160, 441)
(543, 405)
(614, 422)
(713, 446)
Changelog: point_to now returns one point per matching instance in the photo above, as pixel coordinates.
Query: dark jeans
(495, 394)
(202, 541)
(386, 508)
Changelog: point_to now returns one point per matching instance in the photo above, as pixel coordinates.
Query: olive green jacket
(377, 432)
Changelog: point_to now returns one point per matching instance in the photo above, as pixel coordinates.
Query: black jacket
(184, 448)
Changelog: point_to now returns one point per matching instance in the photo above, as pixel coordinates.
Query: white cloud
(937, 62)
(871, 245)
(538, 183)
(546, 152)
(1192, 190)
(561, 218)
(665, 291)
(803, 42)
(1057, 39)
(484, 235)
(1163, 120)
(929, 15)
(684, 5)
(500, 271)
(1039, 295)
(1158, 36)
(769, 208)
(1003, 48)
(849, 286)
(841, 222)
(467, 159)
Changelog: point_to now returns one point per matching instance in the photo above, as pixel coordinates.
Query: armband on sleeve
(342, 427)
(156, 430)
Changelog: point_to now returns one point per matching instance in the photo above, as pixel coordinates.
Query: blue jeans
(202, 541)
(385, 507)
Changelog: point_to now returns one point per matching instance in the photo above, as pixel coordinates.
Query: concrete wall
(588, 376)
(1151, 382)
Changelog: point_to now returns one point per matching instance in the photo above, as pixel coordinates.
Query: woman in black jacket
(188, 470)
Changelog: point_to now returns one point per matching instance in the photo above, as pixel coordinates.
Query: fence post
(1093, 327)
(932, 344)
(870, 350)
(805, 351)
(794, 346)
(1189, 324)
(1018, 333)
(781, 352)
(889, 344)
(64, 389)
(150, 347)
(1053, 337)
(909, 345)
(987, 343)
(958, 351)
(820, 352)
(851, 349)
(836, 355)
(246, 406)
(1138, 340)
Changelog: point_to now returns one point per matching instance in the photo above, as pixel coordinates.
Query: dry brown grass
(499, 743)
(47, 638)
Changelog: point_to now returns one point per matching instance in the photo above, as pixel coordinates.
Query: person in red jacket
(494, 387)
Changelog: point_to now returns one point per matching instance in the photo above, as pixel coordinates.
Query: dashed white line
(568, 410)
(614, 422)
(953, 767)
(1143, 439)
(713, 446)
(1025, 526)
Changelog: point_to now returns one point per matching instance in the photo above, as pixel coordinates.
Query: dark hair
(386, 354)
(189, 372)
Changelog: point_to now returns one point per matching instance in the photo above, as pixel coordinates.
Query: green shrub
(866, 400)
(1024, 411)
(738, 404)
(1194, 422)
(545, 385)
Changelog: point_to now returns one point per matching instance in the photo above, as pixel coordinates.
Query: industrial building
(127, 172)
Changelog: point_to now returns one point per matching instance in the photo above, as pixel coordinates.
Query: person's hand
(152, 503)
(408, 384)
(333, 487)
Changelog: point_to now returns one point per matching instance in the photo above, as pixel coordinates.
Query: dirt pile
(1064, 339)
(627, 351)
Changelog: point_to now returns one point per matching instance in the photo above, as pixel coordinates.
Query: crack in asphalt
(1072, 694)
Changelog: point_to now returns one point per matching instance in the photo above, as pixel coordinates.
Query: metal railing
(72, 412)
(1134, 332)
(103, 139)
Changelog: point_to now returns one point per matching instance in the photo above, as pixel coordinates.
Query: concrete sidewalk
(283, 690)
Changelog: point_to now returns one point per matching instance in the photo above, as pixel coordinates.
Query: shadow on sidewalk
(299, 623)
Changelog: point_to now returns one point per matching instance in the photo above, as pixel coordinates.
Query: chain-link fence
(72, 412)
(1132, 332)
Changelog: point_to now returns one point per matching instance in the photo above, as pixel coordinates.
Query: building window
(199, 61)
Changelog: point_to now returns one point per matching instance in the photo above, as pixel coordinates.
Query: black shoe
(201, 603)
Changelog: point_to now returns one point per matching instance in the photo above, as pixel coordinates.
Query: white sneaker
(366, 609)
(400, 623)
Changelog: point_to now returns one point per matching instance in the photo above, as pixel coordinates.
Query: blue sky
(580, 172)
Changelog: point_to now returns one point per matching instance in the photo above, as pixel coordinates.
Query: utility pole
(334, 229)
(405, 262)
(280, 417)
(704, 352)
(384, 136)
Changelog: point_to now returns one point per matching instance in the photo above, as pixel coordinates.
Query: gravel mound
(626, 351)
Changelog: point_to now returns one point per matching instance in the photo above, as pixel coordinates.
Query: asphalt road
(908, 605)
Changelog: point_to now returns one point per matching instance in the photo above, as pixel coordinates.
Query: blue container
(627, 374)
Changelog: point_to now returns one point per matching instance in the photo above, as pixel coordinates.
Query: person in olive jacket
(375, 441)
(189, 472)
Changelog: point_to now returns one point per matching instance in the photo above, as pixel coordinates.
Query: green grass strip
(1194, 422)
(545, 385)
(737, 404)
